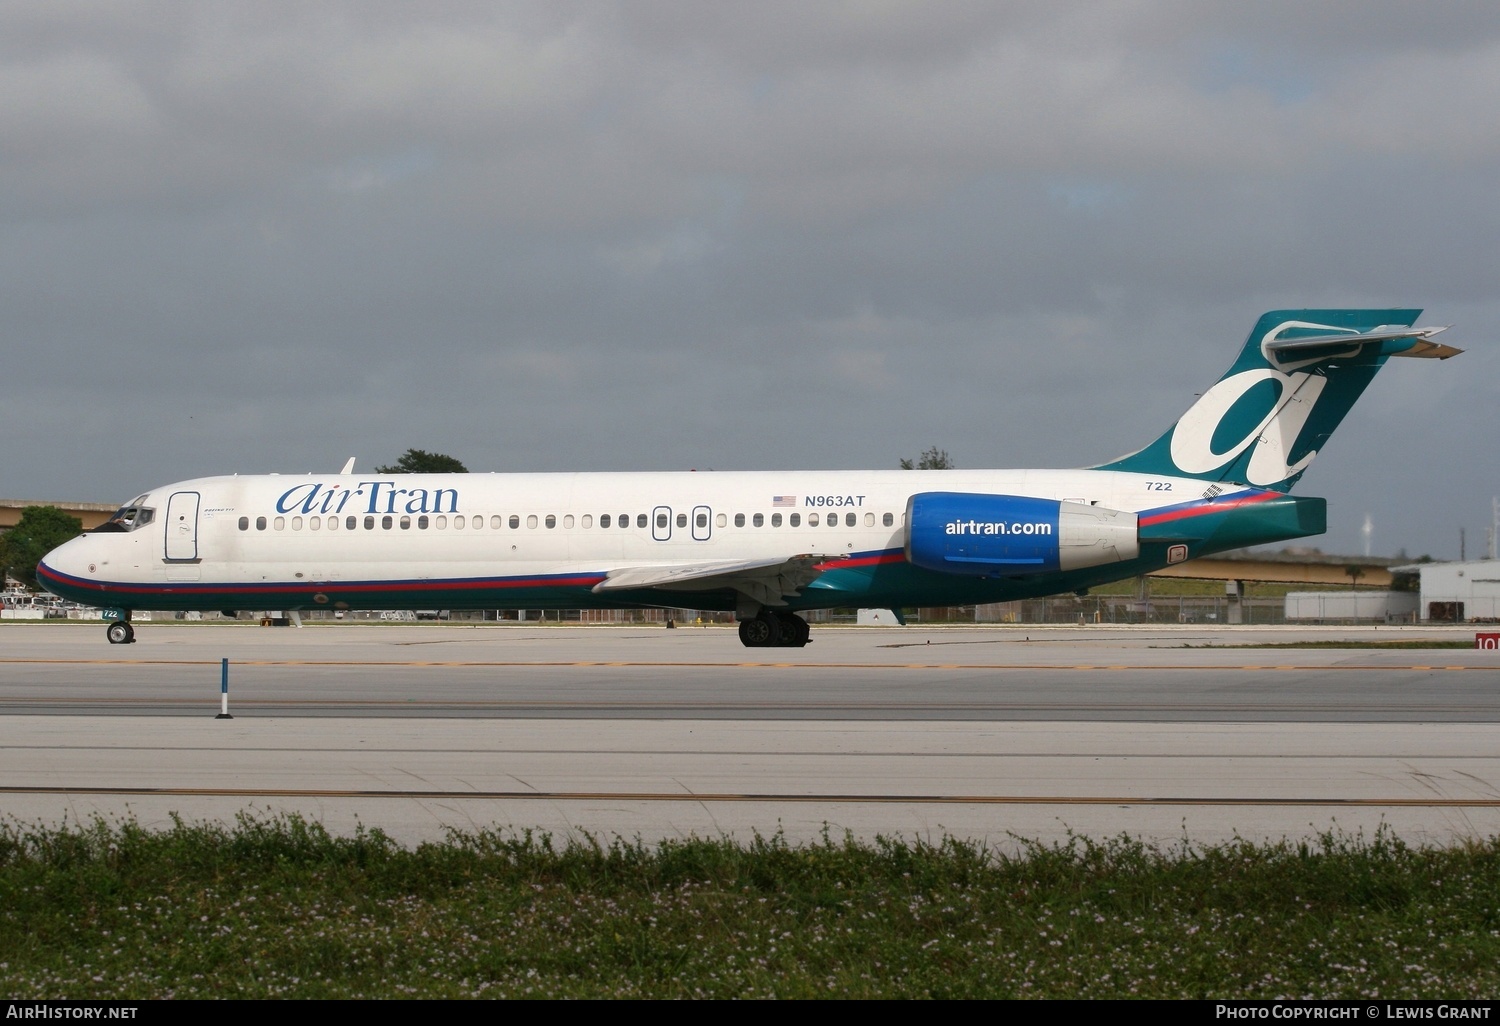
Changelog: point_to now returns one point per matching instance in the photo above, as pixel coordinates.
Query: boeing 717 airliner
(764, 545)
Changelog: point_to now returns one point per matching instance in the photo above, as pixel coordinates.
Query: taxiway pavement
(1000, 735)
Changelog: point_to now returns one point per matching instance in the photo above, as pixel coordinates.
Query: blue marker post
(224, 691)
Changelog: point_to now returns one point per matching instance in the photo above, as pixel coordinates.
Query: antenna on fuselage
(348, 467)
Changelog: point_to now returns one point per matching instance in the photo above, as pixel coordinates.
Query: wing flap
(768, 581)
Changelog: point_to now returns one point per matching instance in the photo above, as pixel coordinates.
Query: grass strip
(277, 907)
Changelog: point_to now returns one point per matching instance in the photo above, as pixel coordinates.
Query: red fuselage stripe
(1182, 512)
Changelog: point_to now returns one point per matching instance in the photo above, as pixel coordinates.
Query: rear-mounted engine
(984, 535)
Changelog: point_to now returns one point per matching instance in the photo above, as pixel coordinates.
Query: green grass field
(278, 908)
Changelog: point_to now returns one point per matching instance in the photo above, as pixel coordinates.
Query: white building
(1376, 606)
(1459, 591)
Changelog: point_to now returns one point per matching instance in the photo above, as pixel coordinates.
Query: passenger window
(458, 523)
(603, 520)
(333, 523)
(739, 520)
(441, 523)
(833, 520)
(296, 523)
(588, 521)
(369, 523)
(386, 522)
(848, 519)
(701, 520)
(244, 523)
(351, 522)
(280, 523)
(495, 522)
(551, 521)
(661, 520)
(887, 520)
(406, 523)
(760, 520)
(477, 522)
(531, 521)
(812, 519)
(640, 520)
(869, 519)
(515, 522)
(313, 523)
(422, 523)
(795, 520)
(775, 519)
(721, 520)
(682, 520)
(260, 523)
(567, 521)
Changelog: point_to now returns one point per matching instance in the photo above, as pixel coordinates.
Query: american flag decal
(783, 500)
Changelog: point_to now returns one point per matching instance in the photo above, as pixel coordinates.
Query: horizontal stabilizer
(1419, 342)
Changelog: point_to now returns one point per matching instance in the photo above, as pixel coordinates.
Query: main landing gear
(770, 629)
(120, 633)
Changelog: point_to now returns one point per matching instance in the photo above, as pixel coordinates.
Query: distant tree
(1355, 573)
(418, 461)
(40, 530)
(932, 459)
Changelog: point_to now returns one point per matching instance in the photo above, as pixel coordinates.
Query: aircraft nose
(68, 563)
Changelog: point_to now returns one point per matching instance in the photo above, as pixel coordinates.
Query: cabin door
(182, 528)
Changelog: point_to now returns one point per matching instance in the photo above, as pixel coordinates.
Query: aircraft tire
(763, 631)
(794, 631)
(120, 633)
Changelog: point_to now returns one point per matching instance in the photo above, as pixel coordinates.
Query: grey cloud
(668, 235)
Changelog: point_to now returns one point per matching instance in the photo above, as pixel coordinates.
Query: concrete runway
(995, 734)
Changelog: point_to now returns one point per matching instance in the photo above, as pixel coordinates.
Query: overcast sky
(261, 236)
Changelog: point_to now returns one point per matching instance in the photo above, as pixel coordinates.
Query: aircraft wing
(765, 580)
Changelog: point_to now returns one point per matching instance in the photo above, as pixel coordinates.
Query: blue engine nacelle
(986, 535)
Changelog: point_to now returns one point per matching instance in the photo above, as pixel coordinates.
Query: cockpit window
(127, 518)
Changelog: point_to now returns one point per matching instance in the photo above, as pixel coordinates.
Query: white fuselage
(214, 537)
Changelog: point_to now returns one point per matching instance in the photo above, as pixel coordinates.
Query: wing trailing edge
(767, 581)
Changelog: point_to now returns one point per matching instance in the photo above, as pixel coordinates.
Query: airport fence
(1084, 610)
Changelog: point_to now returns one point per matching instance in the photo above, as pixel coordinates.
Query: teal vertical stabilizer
(1298, 374)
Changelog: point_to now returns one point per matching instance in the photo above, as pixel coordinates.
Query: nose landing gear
(118, 630)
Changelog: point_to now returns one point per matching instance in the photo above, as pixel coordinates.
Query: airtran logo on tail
(1262, 410)
(367, 497)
